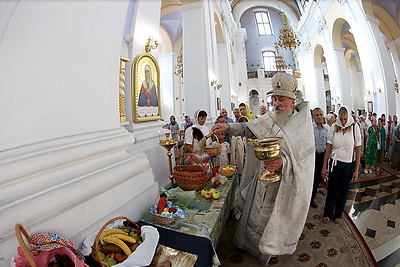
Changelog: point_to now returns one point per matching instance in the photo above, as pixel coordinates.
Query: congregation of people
(335, 149)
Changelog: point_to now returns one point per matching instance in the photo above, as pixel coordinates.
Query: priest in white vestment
(274, 214)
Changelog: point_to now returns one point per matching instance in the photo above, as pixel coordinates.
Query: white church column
(376, 65)
(198, 61)
(383, 68)
(320, 87)
(224, 73)
(343, 77)
(394, 109)
(167, 62)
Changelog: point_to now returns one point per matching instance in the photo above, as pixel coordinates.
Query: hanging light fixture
(279, 61)
(287, 37)
(396, 85)
(150, 44)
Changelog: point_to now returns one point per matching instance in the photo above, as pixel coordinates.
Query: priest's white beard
(282, 117)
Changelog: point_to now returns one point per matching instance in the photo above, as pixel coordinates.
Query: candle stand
(168, 144)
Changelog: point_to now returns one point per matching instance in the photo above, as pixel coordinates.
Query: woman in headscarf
(196, 139)
(245, 111)
(371, 146)
(188, 122)
(173, 126)
(344, 139)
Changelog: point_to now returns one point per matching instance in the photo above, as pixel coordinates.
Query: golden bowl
(266, 149)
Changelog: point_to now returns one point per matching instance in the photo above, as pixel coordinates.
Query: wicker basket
(95, 246)
(158, 218)
(214, 149)
(43, 257)
(190, 177)
(163, 220)
(19, 231)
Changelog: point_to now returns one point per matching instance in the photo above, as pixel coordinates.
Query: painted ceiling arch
(387, 24)
(318, 54)
(243, 6)
(337, 32)
(165, 44)
(349, 42)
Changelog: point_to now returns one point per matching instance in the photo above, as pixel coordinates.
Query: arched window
(269, 60)
(263, 23)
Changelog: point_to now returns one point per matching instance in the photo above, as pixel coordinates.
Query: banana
(110, 232)
(126, 238)
(119, 243)
(110, 248)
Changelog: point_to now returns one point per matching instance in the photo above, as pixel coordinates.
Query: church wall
(48, 70)
(67, 166)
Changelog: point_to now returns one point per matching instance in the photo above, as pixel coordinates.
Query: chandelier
(287, 37)
(396, 85)
(279, 61)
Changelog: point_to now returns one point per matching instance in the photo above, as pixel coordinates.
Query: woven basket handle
(19, 231)
(95, 246)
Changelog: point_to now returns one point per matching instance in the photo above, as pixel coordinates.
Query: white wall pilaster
(198, 68)
(320, 88)
(225, 70)
(393, 55)
(167, 63)
(341, 71)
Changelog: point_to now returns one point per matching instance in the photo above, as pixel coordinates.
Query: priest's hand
(273, 165)
(220, 128)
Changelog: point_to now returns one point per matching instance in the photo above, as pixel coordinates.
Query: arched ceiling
(388, 21)
(172, 22)
(291, 4)
(286, 6)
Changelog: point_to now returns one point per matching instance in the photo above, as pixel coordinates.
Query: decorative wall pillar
(320, 88)
(122, 116)
(197, 47)
(394, 109)
(382, 67)
(344, 90)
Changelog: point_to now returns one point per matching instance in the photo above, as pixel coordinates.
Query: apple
(215, 194)
(209, 195)
(217, 182)
(204, 192)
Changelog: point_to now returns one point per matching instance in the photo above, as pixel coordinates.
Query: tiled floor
(374, 207)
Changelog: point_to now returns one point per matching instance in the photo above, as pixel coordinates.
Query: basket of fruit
(190, 177)
(45, 249)
(164, 213)
(113, 246)
(227, 170)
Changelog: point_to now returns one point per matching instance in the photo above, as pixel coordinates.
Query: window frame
(270, 61)
(264, 25)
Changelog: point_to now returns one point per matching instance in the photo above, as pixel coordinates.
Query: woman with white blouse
(344, 141)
